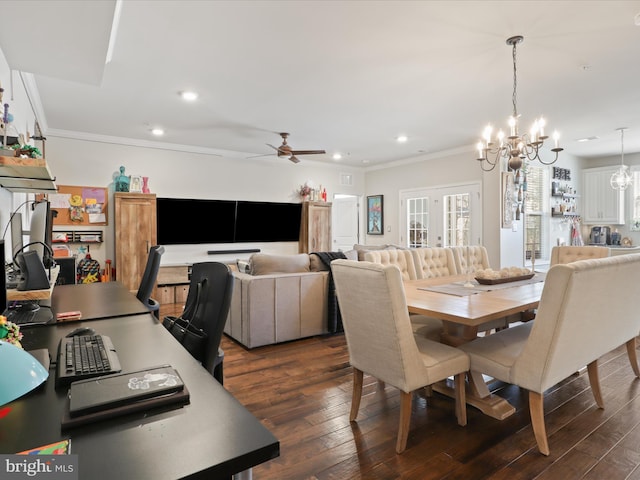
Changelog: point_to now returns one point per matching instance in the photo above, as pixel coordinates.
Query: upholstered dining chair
(570, 253)
(382, 344)
(148, 280)
(587, 309)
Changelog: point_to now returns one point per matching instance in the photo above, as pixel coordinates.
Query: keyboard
(27, 316)
(85, 356)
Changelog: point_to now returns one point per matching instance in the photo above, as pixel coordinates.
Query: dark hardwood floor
(301, 391)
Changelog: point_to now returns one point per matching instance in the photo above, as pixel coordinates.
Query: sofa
(278, 298)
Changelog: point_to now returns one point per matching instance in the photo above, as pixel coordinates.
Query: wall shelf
(26, 175)
(77, 236)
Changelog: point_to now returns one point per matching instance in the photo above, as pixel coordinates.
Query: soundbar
(222, 252)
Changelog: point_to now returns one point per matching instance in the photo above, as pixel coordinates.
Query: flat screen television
(268, 222)
(196, 221)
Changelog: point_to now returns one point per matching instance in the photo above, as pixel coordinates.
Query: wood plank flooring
(301, 391)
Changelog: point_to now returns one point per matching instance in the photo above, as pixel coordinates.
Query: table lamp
(21, 372)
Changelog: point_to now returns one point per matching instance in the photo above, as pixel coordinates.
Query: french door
(441, 216)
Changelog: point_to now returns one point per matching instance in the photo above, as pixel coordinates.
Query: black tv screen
(194, 221)
(268, 222)
(190, 221)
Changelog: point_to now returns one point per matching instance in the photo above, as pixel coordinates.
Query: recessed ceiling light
(637, 19)
(337, 156)
(587, 139)
(189, 96)
(402, 138)
(365, 161)
(157, 131)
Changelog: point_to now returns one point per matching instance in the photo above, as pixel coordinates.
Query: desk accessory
(111, 391)
(22, 374)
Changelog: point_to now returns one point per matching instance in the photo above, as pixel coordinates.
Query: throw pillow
(264, 263)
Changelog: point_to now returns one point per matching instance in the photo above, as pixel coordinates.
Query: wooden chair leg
(594, 381)
(357, 393)
(536, 409)
(633, 356)
(461, 400)
(405, 420)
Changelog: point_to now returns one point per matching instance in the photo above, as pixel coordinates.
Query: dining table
(464, 306)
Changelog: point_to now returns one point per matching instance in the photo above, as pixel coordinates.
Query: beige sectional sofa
(279, 298)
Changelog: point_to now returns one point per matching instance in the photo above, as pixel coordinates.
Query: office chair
(149, 280)
(208, 311)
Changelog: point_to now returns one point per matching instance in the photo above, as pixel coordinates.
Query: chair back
(376, 322)
(432, 262)
(150, 275)
(476, 255)
(400, 258)
(568, 254)
(208, 310)
(587, 309)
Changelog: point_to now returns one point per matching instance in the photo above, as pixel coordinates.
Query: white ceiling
(344, 76)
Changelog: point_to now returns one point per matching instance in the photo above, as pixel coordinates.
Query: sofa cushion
(265, 263)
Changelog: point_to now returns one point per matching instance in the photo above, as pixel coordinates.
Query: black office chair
(149, 280)
(216, 282)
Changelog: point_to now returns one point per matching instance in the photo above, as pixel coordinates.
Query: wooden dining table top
(470, 310)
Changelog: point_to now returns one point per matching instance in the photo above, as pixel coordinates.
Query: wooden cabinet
(315, 227)
(135, 234)
(602, 204)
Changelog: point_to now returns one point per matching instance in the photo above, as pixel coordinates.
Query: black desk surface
(212, 437)
(96, 300)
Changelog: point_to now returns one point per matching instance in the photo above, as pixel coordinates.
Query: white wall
(193, 175)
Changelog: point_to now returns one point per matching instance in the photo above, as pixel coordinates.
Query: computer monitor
(17, 236)
(41, 231)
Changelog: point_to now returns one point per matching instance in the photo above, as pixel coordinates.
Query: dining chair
(382, 344)
(148, 281)
(571, 253)
(208, 310)
(587, 309)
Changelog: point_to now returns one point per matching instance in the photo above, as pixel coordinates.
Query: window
(535, 209)
(441, 216)
(457, 220)
(418, 222)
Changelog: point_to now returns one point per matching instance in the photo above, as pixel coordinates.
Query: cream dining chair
(570, 253)
(382, 344)
(587, 309)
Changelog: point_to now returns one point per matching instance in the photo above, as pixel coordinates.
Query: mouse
(81, 331)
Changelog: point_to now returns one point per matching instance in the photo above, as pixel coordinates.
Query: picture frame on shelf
(135, 184)
(375, 215)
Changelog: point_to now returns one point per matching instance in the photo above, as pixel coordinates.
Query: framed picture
(135, 184)
(375, 222)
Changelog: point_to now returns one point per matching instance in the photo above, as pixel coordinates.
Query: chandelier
(515, 148)
(621, 179)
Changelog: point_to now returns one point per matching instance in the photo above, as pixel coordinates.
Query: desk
(97, 300)
(461, 317)
(212, 437)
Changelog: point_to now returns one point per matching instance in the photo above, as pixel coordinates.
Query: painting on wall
(507, 199)
(375, 225)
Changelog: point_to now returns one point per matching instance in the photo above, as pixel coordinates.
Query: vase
(145, 185)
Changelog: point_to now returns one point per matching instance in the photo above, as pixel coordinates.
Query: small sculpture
(122, 182)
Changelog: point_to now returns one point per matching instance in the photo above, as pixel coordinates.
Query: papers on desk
(459, 290)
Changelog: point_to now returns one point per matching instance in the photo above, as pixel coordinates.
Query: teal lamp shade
(21, 372)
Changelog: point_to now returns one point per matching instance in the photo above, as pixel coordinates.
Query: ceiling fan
(285, 150)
